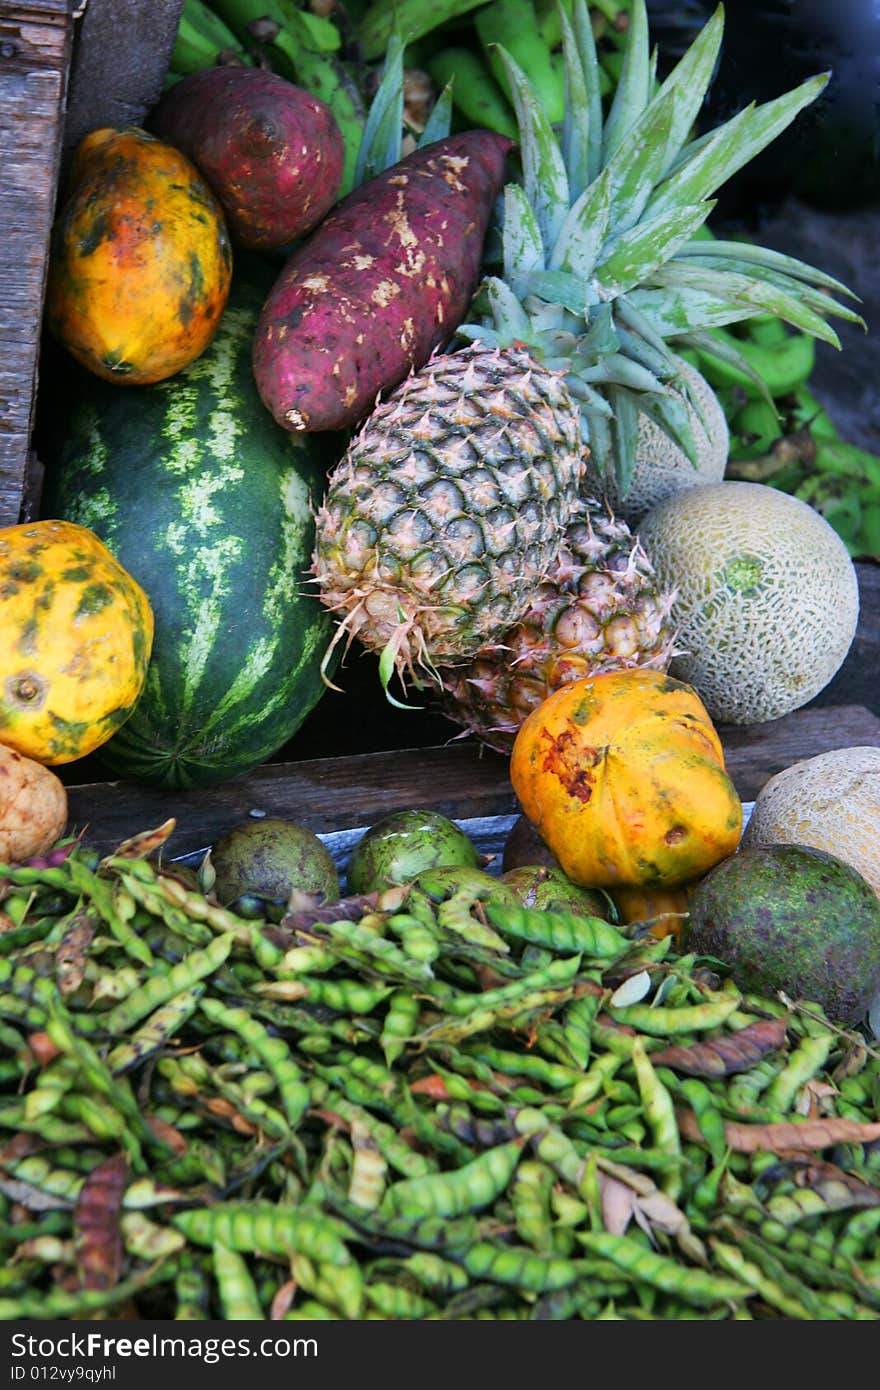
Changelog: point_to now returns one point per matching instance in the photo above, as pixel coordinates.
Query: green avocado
(786, 917)
(548, 890)
(404, 843)
(270, 858)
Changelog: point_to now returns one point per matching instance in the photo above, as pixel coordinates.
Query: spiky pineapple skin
(449, 505)
(599, 608)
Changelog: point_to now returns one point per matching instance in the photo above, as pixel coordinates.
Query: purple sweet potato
(381, 284)
(272, 152)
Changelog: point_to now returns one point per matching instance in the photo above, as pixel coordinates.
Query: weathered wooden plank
(122, 52)
(35, 47)
(457, 780)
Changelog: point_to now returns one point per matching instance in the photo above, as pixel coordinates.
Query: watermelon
(210, 505)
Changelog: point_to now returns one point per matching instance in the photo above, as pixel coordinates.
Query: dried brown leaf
(73, 949)
(618, 1204)
(281, 1303)
(167, 1133)
(723, 1056)
(145, 843)
(783, 1136)
(97, 1232)
(307, 910)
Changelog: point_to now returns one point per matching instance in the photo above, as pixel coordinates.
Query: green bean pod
(271, 1051)
(660, 1022)
(660, 1114)
(157, 989)
(448, 1194)
(239, 1300)
(566, 933)
(399, 1024)
(690, 1284)
(158, 1029)
(807, 1059)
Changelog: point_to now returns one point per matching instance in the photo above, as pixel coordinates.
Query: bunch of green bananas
(465, 55)
(790, 440)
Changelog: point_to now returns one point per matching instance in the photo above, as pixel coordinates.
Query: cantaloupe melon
(830, 802)
(767, 597)
(661, 467)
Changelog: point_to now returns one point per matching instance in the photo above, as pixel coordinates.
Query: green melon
(210, 505)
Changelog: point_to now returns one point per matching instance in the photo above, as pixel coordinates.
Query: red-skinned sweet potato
(381, 284)
(271, 151)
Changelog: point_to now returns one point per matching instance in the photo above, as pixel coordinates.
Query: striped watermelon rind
(210, 505)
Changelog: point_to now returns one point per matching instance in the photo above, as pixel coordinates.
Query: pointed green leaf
(639, 162)
(599, 442)
(624, 436)
(586, 46)
(439, 122)
(576, 144)
(584, 229)
(632, 93)
(511, 320)
(661, 362)
(691, 78)
(478, 332)
(748, 291)
(810, 295)
(557, 287)
(544, 176)
(388, 666)
(636, 254)
(523, 247)
(766, 258)
(725, 352)
(381, 141)
(732, 145)
(626, 313)
(593, 401)
(679, 310)
(672, 416)
(621, 371)
(600, 338)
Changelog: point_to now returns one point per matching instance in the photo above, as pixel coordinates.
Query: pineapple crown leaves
(607, 265)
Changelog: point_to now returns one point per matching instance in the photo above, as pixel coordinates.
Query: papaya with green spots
(623, 776)
(140, 263)
(75, 641)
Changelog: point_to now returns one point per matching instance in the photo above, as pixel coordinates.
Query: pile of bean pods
(411, 1105)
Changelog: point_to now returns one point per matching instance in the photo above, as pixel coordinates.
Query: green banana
(766, 330)
(201, 37)
(782, 368)
(513, 26)
(410, 18)
(808, 413)
(754, 429)
(475, 93)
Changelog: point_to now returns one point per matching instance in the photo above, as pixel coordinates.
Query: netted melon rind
(661, 468)
(767, 596)
(829, 802)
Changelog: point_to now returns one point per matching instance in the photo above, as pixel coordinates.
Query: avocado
(788, 917)
(548, 890)
(269, 859)
(402, 844)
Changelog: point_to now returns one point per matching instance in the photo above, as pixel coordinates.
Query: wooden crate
(66, 67)
(36, 42)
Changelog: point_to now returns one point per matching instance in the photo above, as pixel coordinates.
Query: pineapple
(447, 506)
(602, 277)
(598, 609)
